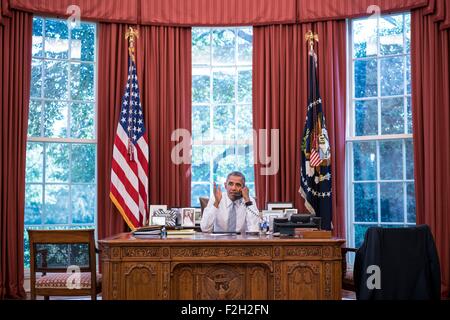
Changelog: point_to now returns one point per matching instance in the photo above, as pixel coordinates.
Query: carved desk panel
(208, 267)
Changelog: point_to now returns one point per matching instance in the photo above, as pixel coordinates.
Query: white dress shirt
(216, 219)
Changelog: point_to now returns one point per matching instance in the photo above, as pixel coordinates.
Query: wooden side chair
(66, 260)
(347, 270)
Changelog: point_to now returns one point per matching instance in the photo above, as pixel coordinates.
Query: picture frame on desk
(188, 217)
(153, 208)
(279, 205)
(270, 215)
(198, 215)
(289, 212)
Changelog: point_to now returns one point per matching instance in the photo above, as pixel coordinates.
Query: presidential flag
(315, 184)
(129, 172)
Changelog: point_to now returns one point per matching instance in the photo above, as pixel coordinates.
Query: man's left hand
(245, 194)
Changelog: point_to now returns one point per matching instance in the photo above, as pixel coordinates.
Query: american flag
(129, 169)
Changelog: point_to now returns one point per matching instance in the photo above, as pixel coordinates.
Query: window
(60, 188)
(222, 129)
(379, 133)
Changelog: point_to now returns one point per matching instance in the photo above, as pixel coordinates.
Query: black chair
(408, 265)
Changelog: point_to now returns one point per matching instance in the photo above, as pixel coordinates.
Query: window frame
(70, 142)
(214, 67)
(351, 136)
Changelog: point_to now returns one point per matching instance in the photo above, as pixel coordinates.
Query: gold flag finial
(131, 36)
(311, 37)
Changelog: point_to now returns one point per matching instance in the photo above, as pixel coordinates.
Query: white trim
(351, 137)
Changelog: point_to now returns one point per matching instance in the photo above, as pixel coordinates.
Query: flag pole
(131, 36)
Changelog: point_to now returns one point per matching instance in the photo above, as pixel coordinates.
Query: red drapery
(164, 72)
(280, 99)
(214, 12)
(96, 10)
(431, 124)
(15, 76)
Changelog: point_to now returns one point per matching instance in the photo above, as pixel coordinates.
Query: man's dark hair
(237, 174)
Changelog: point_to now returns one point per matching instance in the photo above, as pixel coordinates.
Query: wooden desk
(208, 267)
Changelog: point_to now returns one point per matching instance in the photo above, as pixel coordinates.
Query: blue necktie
(232, 218)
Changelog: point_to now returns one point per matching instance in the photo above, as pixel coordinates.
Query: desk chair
(408, 262)
(204, 202)
(348, 282)
(67, 261)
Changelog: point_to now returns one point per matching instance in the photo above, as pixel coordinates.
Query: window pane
(56, 80)
(223, 46)
(55, 119)
(34, 162)
(365, 198)
(408, 33)
(392, 116)
(200, 46)
(82, 45)
(408, 74)
(57, 162)
(409, 159)
(364, 161)
(245, 39)
(245, 122)
(33, 204)
(200, 86)
(366, 78)
(224, 161)
(201, 156)
(409, 111)
(56, 39)
(56, 204)
(391, 199)
(36, 78)
(224, 123)
(366, 118)
(410, 203)
(245, 86)
(38, 46)
(82, 81)
(223, 86)
(83, 203)
(360, 232)
(201, 123)
(391, 160)
(82, 117)
(244, 161)
(83, 163)
(364, 38)
(34, 118)
(391, 77)
(199, 190)
(391, 35)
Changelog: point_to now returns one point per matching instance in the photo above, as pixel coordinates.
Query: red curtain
(15, 77)
(214, 12)
(317, 10)
(280, 99)
(431, 124)
(218, 12)
(163, 57)
(96, 10)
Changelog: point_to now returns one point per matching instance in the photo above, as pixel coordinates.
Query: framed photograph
(279, 205)
(198, 215)
(289, 212)
(188, 217)
(269, 215)
(153, 208)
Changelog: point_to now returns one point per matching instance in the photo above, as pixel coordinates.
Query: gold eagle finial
(131, 36)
